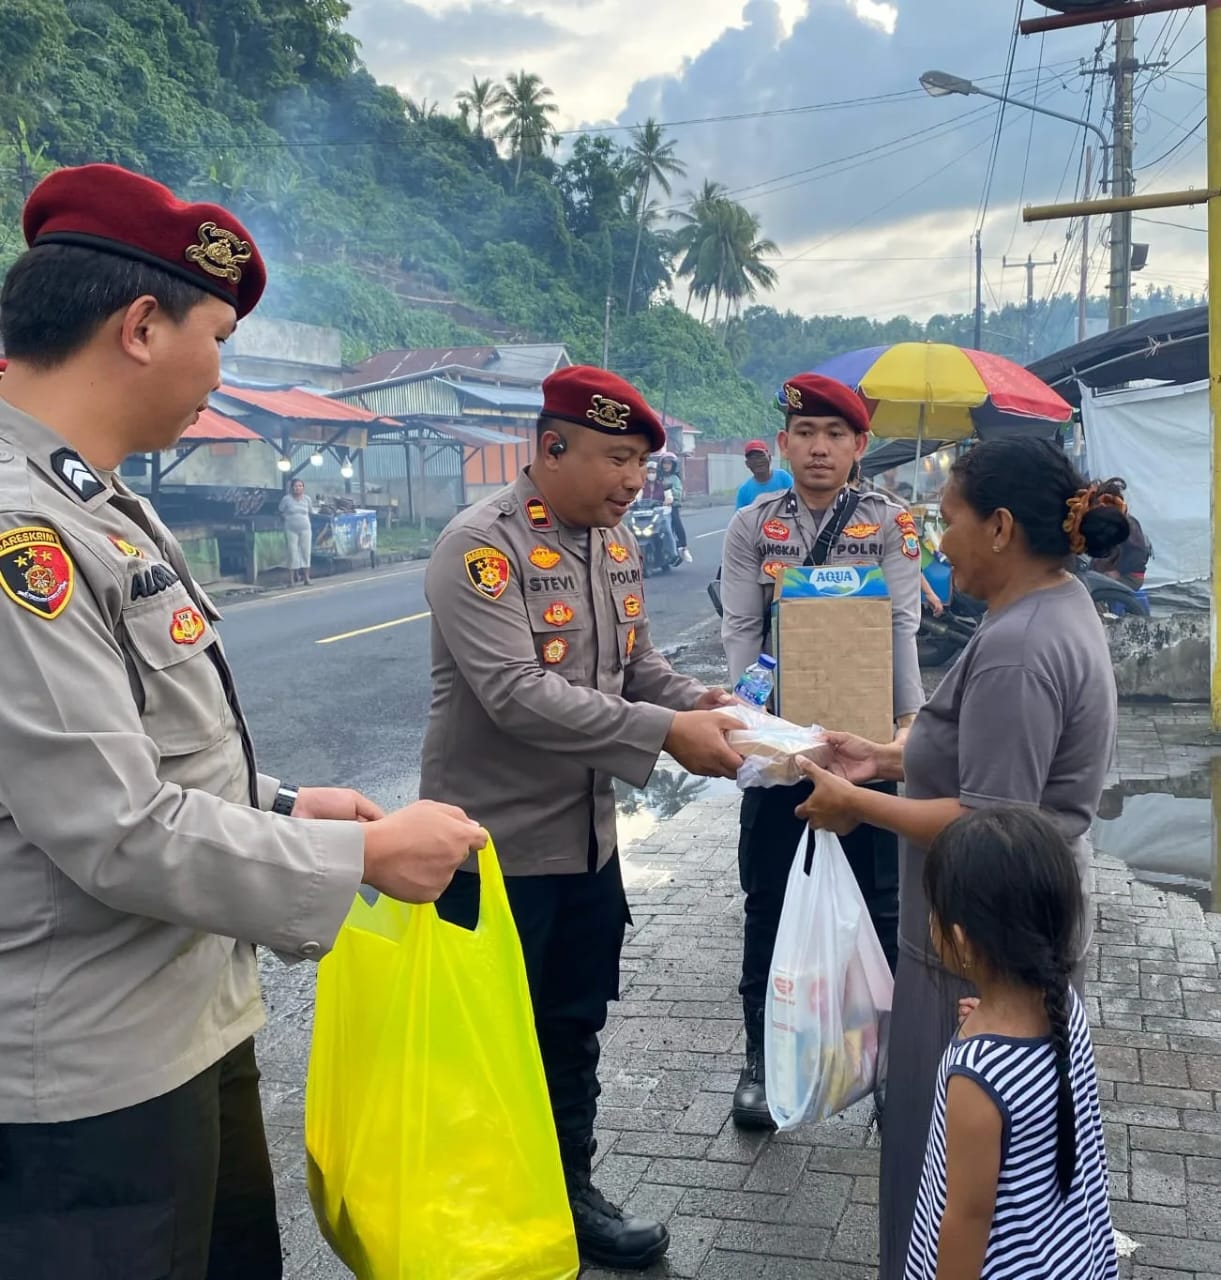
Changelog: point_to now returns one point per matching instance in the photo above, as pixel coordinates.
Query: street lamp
(283, 464)
(938, 84)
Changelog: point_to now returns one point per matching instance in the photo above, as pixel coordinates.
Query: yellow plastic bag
(430, 1147)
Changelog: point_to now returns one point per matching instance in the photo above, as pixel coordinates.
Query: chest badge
(555, 651)
(558, 615)
(632, 605)
(777, 531)
(617, 553)
(127, 548)
(859, 532)
(487, 569)
(630, 645)
(36, 571)
(544, 558)
(187, 627)
(774, 568)
(537, 514)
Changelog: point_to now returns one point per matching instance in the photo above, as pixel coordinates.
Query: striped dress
(1035, 1235)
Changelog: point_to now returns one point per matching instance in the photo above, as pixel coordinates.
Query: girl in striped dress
(1015, 1176)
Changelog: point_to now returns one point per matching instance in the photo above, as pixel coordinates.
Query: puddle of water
(669, 790)
(1163, 830)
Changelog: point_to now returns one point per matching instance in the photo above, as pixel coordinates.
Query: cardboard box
(831, 635)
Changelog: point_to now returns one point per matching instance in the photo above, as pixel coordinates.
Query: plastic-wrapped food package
(770, 746)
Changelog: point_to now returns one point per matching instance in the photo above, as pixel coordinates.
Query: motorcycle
(649, 523)
(941, 639)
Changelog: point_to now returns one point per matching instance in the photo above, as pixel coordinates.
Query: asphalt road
(334, 678)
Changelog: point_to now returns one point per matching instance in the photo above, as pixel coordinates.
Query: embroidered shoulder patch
(36, 571)
(487, 569)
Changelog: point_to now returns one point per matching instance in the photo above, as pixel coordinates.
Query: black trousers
(571, 930)
(768, 840)
(176, 1188)
(676, 521)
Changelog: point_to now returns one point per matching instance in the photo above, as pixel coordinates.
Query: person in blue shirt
(763, 477)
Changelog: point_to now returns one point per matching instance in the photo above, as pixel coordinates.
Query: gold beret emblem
(219, 252)
(793, 395)
(609, 413)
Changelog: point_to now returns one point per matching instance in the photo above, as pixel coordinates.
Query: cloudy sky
(871, 188)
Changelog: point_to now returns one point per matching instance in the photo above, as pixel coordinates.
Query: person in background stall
(1129, 561)
(296, 508)
(764, 478)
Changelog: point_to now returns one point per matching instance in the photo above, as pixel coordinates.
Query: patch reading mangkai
(558, 614)
(537, 514)
(777, 531)
(488, 571)
(187, 627)
(544, 558)
(617, 553)
(35, 570)
(555, 651)
(632, 606)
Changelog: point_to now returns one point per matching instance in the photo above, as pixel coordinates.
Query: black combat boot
(750, 1097)
(604, 1236)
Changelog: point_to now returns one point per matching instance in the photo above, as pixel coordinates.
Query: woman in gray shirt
(1027, 715)
(296, 507)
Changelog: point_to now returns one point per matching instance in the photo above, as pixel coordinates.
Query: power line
(1000, 122)
(1191, 133)
(1026, 158)
(1161, 222)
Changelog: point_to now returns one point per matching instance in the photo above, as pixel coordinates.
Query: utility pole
(606, 334)
(979, 293)
(1029, 267)
(1083, 292)
(1121, 172)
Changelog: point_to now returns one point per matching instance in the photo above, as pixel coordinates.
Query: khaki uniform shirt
(546, 685)
(777, 530)
(135, 868)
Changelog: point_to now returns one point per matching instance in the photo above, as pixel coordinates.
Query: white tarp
(1157, 439)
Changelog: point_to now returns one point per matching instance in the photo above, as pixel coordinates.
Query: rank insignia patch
(76, 474)
(617, 553)
(776, 530)
(187, 627)
(632, 606)
(537, 514)
(558, 615)
(35, 570)
(544, 558)
(488, 571)
(555, 651)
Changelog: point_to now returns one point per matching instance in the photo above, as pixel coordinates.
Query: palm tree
(650, 159)
(479, 100)
(524, 111)
(724, 253)
(418, 112)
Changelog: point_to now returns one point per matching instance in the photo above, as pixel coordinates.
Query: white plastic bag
(830, 992)
(770, 746)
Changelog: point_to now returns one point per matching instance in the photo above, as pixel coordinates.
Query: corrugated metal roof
(402, 363)
(301, 406)
(465, 433)
(399, 399)
(530, 360)
(529, 399)
(213, 426)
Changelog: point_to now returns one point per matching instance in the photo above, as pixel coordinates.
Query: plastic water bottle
(755, 684)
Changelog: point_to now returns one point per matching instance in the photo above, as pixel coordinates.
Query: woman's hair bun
(1104, 528)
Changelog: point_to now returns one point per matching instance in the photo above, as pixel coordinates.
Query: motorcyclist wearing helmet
(672, 483)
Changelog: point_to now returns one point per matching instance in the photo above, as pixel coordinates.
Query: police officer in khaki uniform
(820, 520)
(546, 687)
(141, 853)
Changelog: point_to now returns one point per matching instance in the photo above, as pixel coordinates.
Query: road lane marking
(380, 626)
(277, 595)
(713, 534)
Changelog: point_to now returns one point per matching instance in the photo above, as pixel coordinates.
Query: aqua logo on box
(843, 581)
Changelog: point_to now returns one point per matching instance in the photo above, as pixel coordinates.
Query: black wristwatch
(286, 799)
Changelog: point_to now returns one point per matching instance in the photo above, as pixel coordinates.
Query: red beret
(594, 398)
(811, 395)
(103, 207)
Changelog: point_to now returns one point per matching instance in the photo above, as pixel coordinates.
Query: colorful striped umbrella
(933, 389)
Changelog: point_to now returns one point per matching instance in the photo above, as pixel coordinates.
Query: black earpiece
(557, 447)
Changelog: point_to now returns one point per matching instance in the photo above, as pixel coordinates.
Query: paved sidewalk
(805, 1205)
